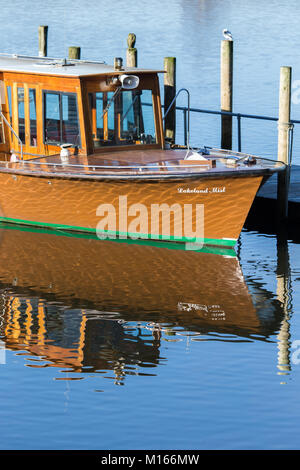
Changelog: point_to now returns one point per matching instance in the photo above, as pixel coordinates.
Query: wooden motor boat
(82, 148)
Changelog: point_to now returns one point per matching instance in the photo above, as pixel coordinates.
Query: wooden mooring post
(169, 95)
(284, 126)
(131, 53)
(43, 41)
(74, 52)
(226, 92)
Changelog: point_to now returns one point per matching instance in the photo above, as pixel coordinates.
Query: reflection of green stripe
(72, 234)
(115, 236)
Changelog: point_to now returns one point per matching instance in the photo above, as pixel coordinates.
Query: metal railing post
(239, 133)
(185, 126)
(187, 133)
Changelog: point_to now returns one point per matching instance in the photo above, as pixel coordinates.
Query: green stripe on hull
(122, 235)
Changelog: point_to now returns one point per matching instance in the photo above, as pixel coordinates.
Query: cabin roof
(62, 67)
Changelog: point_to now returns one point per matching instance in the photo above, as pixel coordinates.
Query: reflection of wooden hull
(114, 292)
(72, 204)
(129, 278)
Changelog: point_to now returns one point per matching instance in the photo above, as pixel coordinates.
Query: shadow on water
(103, 306)
(262, 219)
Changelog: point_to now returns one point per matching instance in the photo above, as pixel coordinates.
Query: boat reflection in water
(86, 305)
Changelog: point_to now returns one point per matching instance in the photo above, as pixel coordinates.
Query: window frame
(118, 117)
(60, 94)
(32, 88)
(148, 81)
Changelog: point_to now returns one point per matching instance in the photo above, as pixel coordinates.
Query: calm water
(109, 345)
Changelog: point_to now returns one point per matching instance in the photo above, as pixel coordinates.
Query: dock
(263, 213)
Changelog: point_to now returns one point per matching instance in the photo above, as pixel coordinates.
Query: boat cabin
(88, 107)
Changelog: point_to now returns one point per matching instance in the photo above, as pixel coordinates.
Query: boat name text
(203, 190)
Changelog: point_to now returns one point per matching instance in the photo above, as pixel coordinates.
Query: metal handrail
(233, 114)
(46, 58)
(229, 113)
(151, 166)
(12, 130)
(187, 127)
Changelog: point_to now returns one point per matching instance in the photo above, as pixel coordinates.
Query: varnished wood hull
(72, 203)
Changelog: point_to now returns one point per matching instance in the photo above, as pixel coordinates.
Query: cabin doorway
(22, 102)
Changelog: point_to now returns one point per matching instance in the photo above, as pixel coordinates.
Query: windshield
(124, 118)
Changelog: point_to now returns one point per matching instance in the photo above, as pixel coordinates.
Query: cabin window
(61, 124)
(21, 114)
(8, 88)
(32, 117)
(126, 119)
(2, 101)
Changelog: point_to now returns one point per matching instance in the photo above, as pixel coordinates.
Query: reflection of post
(16, 314)
(28, 322)
(42, 323)
(81, 342)
(283, 289)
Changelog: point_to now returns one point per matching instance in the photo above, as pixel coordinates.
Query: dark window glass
(21, 114)
(9, 106)
(125, 119)
(9, 100)
(32, 117)
(70, 125)
(61, 124)
(102, 122)
(52, 118)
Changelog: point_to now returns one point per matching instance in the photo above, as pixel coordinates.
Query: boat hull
(84, 205)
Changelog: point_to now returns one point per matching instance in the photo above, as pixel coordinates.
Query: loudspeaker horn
(129, 82)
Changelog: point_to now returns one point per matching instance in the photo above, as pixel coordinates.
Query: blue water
(266, 37)
(197, 387)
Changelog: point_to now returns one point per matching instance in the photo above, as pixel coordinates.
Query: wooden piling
(284, 126)
(74, 52)
(43, 41)
(226, 92)
(131, 53)
(169, 94)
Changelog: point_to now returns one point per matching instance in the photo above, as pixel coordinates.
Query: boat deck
(141, 163)
(115, 158)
